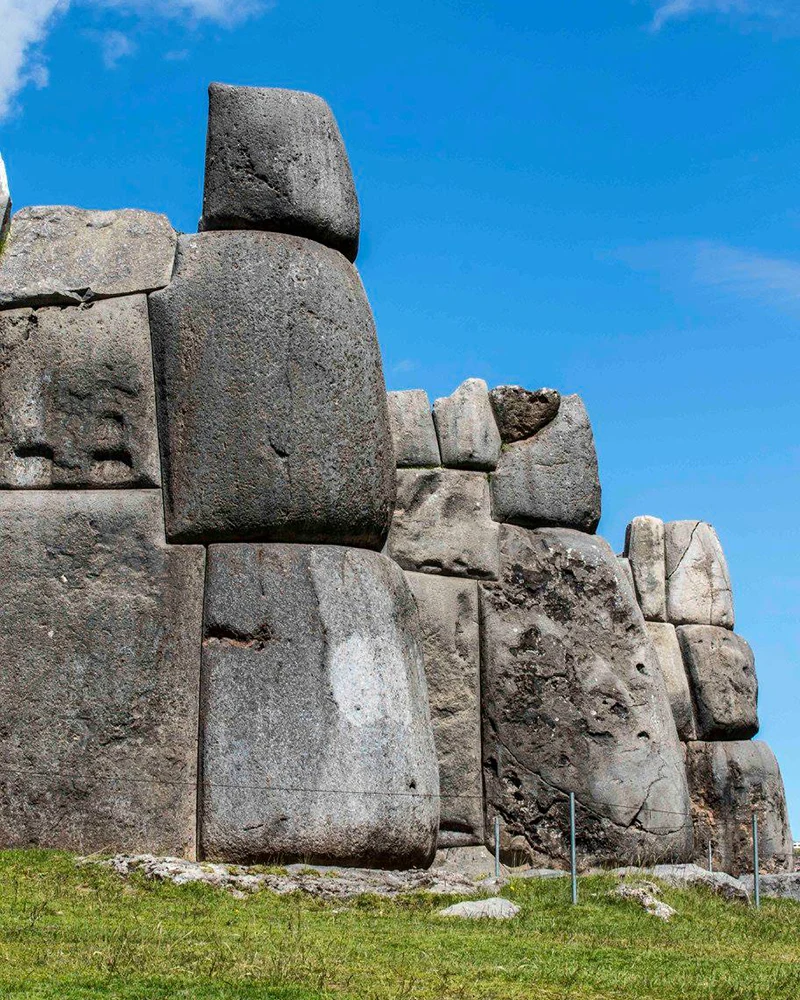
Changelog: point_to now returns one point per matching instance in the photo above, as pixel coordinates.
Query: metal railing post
(756, 874)
(497, 847)
(572, 852)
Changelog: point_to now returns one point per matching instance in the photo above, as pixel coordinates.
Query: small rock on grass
(644, 894)
(479, 909)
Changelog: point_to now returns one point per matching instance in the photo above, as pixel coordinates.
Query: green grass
(75, 933)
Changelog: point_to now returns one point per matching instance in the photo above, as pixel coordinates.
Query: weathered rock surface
(5, 204)
(551, 479)
(77, 402)
(100, 630)
(448, 612)
(785, 885)
(627, 572)
(317, 741)
(275, 160)
(644, 547)
(272, 406)
(59, 255)
(645, 894)
(574, 701)
(668, 651)
(413, 433)
(495, 908)
(698, 583)
(520, 413)
(728, 782)
(680, 876)
(443, 524)
(722, 669)
(466, 428)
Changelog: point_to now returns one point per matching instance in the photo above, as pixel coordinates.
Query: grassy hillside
(75, 933)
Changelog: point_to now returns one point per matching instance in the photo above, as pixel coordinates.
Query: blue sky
(602, 197)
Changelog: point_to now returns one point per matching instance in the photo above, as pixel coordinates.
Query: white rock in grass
(480, 909)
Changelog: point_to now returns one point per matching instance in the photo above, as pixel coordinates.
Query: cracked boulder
(573, 701)
(100, 631)
(466, 428)
(316, 734)
(413, 433)
(272, 407)
(698, 582)
(77, 402)
(59, 255)
(275, 160)
(729, 781)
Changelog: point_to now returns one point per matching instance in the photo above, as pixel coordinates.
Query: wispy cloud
(24, 25)
(775, 12)
(115, 46)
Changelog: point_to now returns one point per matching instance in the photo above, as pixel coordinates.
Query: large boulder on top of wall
(729, 781)
(413, 433)
(644, 547)
(466, 428)
(573, 700)
(448, 613)
(100, 632)
(520, 413)
(275, 160)
(272, 406)
(443, 523)
(668, 651)
(316, 742)
(77, 403)
(59, 255)
(698, 582)
(551, 479)
(722, 669)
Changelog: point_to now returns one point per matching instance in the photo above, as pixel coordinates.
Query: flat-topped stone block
(551, 479)
(466, 428)
(59, 255)
(644, 547)
(520, 413)
(448, 613)
(668, 650)
(442, 523)
(272, 406)
(275, 160)
(413, 433)
(100, 632)
(698, 582)
(77, 402)
(317, 742)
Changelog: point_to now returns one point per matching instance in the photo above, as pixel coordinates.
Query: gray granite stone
(100, 632)
(698, 583)
(551, 479)
(644, 547)
(275, 160)
(448, 612)
(442, 523)
(273, 417)
(466, 428)
(317, 741)
(520, 413)
(5, 204)
(59, 255)
(413, 433)
(625, 566)
(77, 403)
(668, 650)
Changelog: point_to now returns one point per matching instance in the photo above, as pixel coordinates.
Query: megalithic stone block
(698, 582)
(466, 427)
(413, 433)
(729, 781)
(77, 402)
(722, 669)
(316, 733)
(5, 204)
(644, 547)
(551, 479)
(668, 650)
(100, 632)
(520, 413)
(574, 700)
(273, 417)
(59, 255)
(448, 612)
(275, 160)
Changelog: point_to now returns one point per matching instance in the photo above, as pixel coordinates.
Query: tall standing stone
(275, 160)
(466, 428)
(668, 650)
(317, 742)
(698, 582)
(100, 631)
(5, 204)
(272, 407)
(413, 433)
(644, 547)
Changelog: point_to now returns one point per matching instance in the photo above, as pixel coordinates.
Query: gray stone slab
(668, 650)
(722, 670)
(466, 428)
(413, 433)
(698, 582)
(317, 741)
(448, 612)
(551, 479)
(100, 632)
(625, 566)
(520, 413)
(729, 781)
(77, 402)
(273, 417)
(442, 523)
(275, 160)
(59, 255)
(5, 204)
(573, 700)
(644, 547)
(785, 885)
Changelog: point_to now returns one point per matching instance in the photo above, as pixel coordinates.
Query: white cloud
(24, 25)
(115, 46)
(778, 12)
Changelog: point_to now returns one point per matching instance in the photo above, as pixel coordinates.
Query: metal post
(497, 847)
(572, 853)
(756, 875)
(710, 858)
